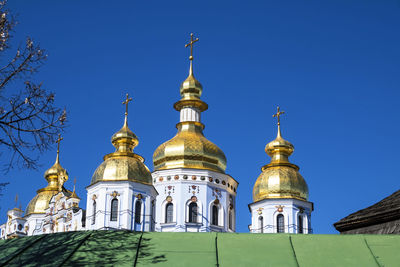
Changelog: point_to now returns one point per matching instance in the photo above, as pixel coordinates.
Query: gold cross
(58, 141)
(278, 115)
(114, 194)
(260, 211)
(192, 41)
(126, 102)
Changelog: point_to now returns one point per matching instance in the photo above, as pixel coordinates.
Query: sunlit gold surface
(123, 164)
(189, 149)
(280, 178)
(41, 201)
(125, 168)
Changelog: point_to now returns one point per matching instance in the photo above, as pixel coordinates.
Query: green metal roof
(124, 248)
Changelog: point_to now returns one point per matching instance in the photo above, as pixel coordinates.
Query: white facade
(15, 225)
(181, 187)
(62, 215)
(281, 216)
(120, 205)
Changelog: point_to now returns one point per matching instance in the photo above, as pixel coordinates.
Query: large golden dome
(189, 148)
(122, 168)
(280, 178)
(123, 164)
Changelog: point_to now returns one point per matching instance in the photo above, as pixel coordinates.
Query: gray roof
(386, 210)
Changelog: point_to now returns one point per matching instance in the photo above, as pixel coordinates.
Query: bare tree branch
(29, 119)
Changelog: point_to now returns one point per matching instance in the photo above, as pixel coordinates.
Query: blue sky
(333, 66)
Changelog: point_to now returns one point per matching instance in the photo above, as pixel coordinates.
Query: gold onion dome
(56, 176)
(189, 148)
(123, 164)
(280, 178)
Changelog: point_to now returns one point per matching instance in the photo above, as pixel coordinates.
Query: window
(114, 210)
(300, 225)
(138, 211)
(94, 212)
(230, 224)
(261, 224)
(193, 212)
(280, 223)
(169, 213)
(214, 219)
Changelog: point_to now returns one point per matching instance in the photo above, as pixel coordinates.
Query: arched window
(169, 213)
(138, 211)
(300, 225)
(94, 212)
(261, 224)
(114, 210)
(230, 224)
(214, 219)
(280, 223)
(193, 212)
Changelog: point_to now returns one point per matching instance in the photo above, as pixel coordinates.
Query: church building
(188, 190)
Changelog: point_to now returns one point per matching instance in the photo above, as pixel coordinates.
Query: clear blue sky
(333, 66)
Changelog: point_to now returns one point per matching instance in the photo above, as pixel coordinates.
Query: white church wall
(291, 209)
(181, 186)
(127, 194)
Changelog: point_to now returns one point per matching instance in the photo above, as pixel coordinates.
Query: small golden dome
(40, 202)
(56, 176)
(189, 149)
(125, 134)
(191, 88)
(55, 170)
(280, 178)
(123, 164)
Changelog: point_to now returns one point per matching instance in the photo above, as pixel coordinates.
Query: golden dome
(189, 149)
(191, 88)
(40, 202)
(55, 169)
(280, 178)
(123, 164)
(123, 168)
(56, 176)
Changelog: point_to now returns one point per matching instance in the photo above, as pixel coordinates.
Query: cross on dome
(126, 102)
(191, 43)
(278, 115)
(58, 141)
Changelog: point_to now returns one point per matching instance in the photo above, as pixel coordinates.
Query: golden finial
(74, 185)
(191, 43)
(126, 102)
(74, 195)
(16, 200)
(278, 116)
(58, 141)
